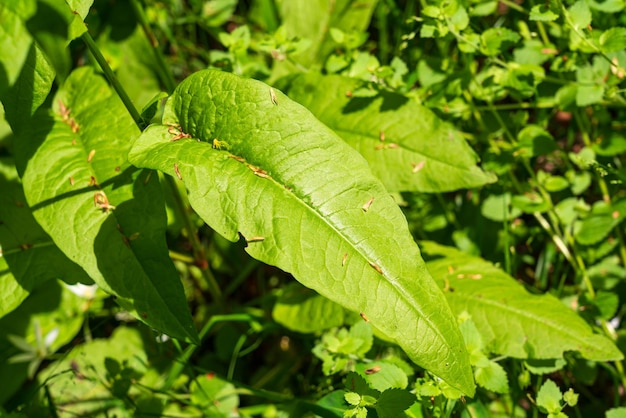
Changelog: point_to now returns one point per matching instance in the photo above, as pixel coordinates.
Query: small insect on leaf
(376, 267)
(343, 259)
(366, 205)
(93, 181)
(365, 318)
(381, 136)
(101, 201)
(177, 172)
(373, 370)
(255, 239)
(71, 180)
(273, 96)
(91, 154)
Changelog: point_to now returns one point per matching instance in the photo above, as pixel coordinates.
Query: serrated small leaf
(513, 322)
(90, 200)
(408, 147)
(393, 402)
(279, 180)
(381, 375)
(492, 377)
(549, 397)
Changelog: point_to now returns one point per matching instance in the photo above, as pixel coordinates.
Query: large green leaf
(104, 214)
(513, 322)
(30, 90)
(28, 257)
(312, 20)
(408, 147)
(258, 164)
(15, 40)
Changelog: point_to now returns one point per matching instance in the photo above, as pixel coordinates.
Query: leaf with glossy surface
(104, 214)
(257, 164)
(28, 257)
(408, 147)
(511, 321)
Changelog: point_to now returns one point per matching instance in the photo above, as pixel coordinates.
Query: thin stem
(166, 75)
(108, 73)
(196, 245)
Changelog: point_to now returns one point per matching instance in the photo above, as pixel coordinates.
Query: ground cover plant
(334, 208)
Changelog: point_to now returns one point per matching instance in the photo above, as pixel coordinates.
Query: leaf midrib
(401, 290)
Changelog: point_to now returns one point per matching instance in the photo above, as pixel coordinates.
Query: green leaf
(33, 85)
(303, 310)
(407, 146)
(498, 208)
(513, 322)
(15, 40)
(599, 224)
(287, 183)
(28, 257)
(580, 14)
(310, 19)
(494, 40)
(50, 310)
(104, 370)
(588, 95)
(392, 403)
(492, 377)
(546, 366)
(53, 27)
(549, 397)
(613, 40)
(535, 140)
(88, 198)
(542, 13)
(616, 413)
(213, 395)
(382, 375)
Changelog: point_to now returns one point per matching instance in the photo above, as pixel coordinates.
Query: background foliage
(488, 131)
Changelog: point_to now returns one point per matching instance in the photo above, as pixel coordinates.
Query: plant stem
(166, 75)
(170, 84)
(108, 73)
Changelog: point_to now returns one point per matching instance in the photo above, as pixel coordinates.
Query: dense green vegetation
(334, 208)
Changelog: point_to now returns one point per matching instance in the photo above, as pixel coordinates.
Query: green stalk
(166, 75)
(108, 73)
(170, 84)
